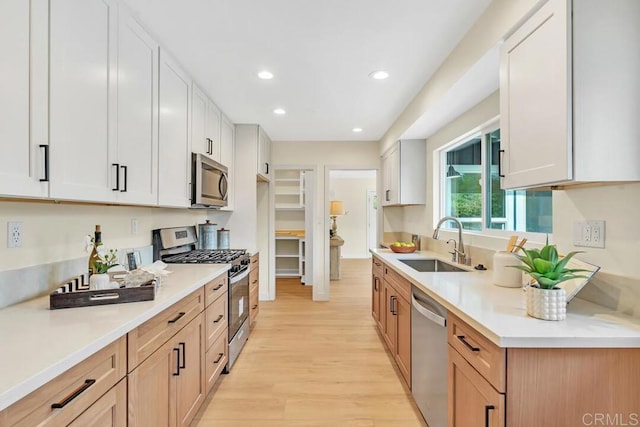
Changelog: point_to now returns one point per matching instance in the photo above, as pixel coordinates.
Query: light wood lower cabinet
(168, 388)
(216, 359)
(395, 319)
(376, 291)
(254, 288)
(108, 411)
(73, 392)
(472, 401)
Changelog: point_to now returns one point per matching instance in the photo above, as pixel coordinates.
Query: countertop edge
(18, 391)
(568, 340)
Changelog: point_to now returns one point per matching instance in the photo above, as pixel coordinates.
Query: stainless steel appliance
(209, 182)
(429, 357)
(178, 246)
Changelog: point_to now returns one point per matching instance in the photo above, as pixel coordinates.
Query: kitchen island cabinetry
(376, 292)
(22, 161)
(555, 111)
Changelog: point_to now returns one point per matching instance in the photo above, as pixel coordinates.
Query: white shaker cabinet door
(174, 155)
(535, 100)
(227, 154)
(137, 138)
(81, 97)
(200, 142)
(213, 130)
(21, 159)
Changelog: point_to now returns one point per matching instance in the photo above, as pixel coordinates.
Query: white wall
(351, 187)
(323, 156)
(55, 232)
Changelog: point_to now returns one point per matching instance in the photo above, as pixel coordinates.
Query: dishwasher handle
(435, 318)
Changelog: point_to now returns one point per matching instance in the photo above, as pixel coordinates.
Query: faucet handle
(454, 253)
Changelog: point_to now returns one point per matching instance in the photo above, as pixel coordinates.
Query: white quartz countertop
(500, 313)
(38, 343)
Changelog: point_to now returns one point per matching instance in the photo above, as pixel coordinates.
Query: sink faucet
(462, 257)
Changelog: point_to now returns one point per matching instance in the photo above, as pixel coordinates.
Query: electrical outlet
(14, 234)
(589, 233)
(134, 226)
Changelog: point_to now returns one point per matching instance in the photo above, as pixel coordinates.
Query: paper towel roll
(503, 274)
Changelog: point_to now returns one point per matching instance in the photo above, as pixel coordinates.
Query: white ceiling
(321, 53)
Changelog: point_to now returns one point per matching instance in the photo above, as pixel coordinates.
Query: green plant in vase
(545, 300)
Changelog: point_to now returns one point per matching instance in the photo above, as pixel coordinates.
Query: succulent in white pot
(545, 300)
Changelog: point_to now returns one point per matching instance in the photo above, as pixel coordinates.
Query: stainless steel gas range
(177, 245)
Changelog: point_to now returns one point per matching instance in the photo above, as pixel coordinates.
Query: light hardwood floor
(314, 364)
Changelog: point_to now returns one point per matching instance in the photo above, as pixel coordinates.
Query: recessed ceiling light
(279, 111)
(265, 75)
(357, 130)
(379, 75)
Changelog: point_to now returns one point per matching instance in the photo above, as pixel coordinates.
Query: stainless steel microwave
(209, 182)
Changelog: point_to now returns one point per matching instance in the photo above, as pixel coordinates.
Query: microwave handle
(223, 186)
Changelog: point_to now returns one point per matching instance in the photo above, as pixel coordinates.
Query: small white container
(503, 274)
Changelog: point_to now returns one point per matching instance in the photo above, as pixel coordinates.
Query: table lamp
(336, 208)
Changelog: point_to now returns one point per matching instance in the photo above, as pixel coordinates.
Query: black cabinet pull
(178, 317)
(184, 355)
(117, 165)
(375, 284)
(469, 346)
(220, 316)
(78, 392)
(386, 195)
(124, 169)
(218, 287)
(254, 307)
(177, 372)
(46, 163)
(254, 282)
(220, 356)
(487, 409)
(500, 163)
(267, 163)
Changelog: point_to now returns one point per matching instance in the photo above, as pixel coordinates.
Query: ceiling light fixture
(357, 130)
(279, 111)
(379, 75)
(265, 75)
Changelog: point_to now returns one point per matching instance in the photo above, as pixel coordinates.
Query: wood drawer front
(399, 283)
(486, 357)
(149, 336)
(216, 359)
(215, 288)
(254, 277)
(108, 411)
(254, 304)
(376, 267)
(216, 319)
(106, 368)
(255, 261)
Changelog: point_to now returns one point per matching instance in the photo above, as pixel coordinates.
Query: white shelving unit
(290, 194)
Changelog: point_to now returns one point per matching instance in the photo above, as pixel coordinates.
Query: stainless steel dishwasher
(429, 357)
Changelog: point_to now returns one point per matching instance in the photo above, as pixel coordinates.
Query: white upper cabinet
(227, 156)
(136, 155)
(264, 155)
(82, 73)
(22, 160)
(205, 125)
(404, 173)
(569, 113)
(174, 162)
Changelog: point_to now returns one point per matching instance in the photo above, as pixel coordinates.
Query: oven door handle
(239, 277)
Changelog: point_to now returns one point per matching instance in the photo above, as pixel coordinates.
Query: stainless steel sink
(432, 265)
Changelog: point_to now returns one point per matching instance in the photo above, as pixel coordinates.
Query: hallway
(314, 364)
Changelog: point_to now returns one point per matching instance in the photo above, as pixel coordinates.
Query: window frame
(440, 194)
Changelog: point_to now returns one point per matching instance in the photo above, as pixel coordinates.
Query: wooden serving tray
(76, 293)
